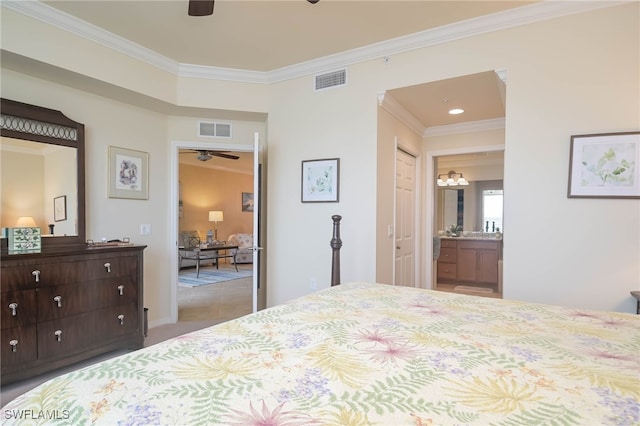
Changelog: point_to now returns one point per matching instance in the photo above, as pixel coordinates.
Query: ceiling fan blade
(223, 155)
(200, 7)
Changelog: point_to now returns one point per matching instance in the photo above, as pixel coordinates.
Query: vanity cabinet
(469, 261)
(62, 307)
(448, 261)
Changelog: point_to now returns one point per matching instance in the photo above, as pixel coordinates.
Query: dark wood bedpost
(336, 243)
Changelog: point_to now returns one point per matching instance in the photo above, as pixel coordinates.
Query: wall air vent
(212, 129)
(331, 79)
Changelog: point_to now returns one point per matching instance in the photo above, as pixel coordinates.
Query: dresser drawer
(448, 243)
(39, 274)
(448, 255)
(64, 300)
(116, 291)
(18, 308)
(447, 271)
(66, 336)
(18, 347)
(118, 321)
(109, 267)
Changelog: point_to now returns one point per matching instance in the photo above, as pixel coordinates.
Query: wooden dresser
(68, 305)
(469, 261)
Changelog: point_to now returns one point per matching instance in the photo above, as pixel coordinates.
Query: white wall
(564, 77)
(555, 88)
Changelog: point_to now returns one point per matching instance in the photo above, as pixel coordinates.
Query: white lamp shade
(216, 216)
(25, 222)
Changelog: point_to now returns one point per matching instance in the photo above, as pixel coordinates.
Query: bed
(365, 353)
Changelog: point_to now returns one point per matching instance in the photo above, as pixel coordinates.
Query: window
(492, 210)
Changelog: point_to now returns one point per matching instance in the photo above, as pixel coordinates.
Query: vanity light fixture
(452, 179)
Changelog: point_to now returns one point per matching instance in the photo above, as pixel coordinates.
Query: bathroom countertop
(486, 238)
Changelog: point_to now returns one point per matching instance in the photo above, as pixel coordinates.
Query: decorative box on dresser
(63, 306)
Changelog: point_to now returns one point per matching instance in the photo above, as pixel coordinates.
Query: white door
(259, 288)
(405, 227)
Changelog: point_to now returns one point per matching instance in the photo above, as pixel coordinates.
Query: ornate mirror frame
(33, 123)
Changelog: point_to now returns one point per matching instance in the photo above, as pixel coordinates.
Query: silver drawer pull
(14, 309)
(58, 334)
(121, 318)
(108, 266)
(14, 345)
(36, 274)
(121, 290)
(58, 300)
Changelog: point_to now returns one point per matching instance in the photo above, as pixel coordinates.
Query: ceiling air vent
(214, 130)
(331, 79)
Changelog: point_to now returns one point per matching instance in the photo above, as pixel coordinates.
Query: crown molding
(389, 103)
(468, 127)
(71, 24)
(218, 73)
(535, 12)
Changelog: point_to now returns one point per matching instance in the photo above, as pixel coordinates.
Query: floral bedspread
(360, 354)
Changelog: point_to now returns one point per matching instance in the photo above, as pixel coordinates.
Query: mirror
(453, 207)
(468, 207)
(42, 158)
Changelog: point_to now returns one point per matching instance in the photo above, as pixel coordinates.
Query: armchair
(189, 251)
(245, 247)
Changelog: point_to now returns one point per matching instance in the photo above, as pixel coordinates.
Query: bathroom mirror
(453, 207)
(43, 174)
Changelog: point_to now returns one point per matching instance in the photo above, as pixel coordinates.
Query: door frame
(430, 182)
(174, 199)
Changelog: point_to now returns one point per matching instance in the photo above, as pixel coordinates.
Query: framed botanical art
(60, 208)
(605, 166)
(321, 181)
(128, 173)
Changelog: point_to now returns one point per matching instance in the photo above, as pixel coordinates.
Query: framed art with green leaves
(605, 166)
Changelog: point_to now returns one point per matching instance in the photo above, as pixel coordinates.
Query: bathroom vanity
(469, 261)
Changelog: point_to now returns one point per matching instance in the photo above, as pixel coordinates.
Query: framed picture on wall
(605, 165)
(60, 208)
(247, 201)
(128, 173)
(321, 181)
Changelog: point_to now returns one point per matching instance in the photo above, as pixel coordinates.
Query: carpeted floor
(211, 275)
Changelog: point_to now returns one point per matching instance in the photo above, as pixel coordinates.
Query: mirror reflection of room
(36, 178)
(469, 224)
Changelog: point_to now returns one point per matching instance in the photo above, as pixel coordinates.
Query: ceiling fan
(205, 7)
(205, 154)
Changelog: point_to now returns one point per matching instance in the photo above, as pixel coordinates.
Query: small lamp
(26, 222)
(215, 216)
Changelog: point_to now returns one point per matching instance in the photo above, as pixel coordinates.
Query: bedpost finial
(336, 244)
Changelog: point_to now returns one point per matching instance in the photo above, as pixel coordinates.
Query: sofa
(245, 247)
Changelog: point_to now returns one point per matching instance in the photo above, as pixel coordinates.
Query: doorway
(467, 224)
(229, 299)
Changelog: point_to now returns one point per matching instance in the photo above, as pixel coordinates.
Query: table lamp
(215, 216)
